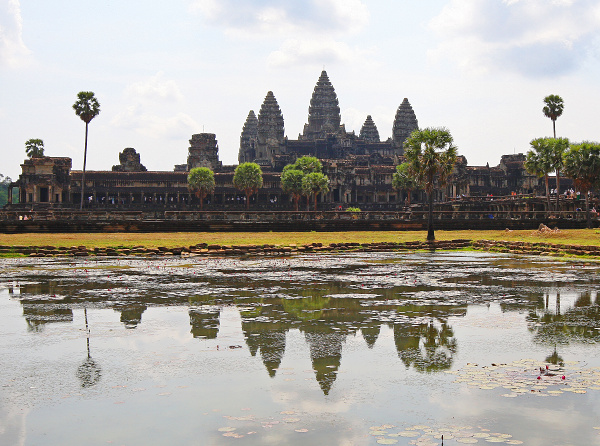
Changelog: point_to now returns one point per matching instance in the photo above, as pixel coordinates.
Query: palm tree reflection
(427, 347)
(89, 372)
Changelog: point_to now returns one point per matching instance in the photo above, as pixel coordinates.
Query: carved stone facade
(129, 161)
(43, 179)
(203, 152)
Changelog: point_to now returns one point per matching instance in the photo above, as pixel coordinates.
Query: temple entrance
(43, 195)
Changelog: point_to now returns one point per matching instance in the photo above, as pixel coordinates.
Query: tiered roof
(404, 123)
(270, 121)
(369, 131)
(248, 138)
(324, 111)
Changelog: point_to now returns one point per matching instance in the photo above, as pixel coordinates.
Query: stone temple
(359, 167)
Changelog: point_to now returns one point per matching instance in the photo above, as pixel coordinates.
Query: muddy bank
(204, 249)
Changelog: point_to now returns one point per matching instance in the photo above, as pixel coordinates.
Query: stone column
(10, 192)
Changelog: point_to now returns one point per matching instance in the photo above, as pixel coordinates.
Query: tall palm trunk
(557, 190)
(588, 216)
(83, 172)
(316, 193)
(430, 232)
(547, 193)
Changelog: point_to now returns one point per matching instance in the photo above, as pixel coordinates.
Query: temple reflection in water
(346, 302)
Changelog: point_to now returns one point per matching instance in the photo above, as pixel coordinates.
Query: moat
(345, 349)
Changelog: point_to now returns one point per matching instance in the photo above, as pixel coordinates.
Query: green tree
(314, 183)
(431, 155)
(553, 109)
(34, 148)
(87, 108)
(308, 164)
(248, 178)
(291, 183)
(403, 180)
(201, 181)
(558, 147)
(582, 164)
(4, 184)
(538, 161)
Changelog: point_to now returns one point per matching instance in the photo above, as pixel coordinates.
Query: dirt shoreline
(204, 249)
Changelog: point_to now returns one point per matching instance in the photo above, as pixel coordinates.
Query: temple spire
(271, 130)
(324, 111)
(369, 131)
(248, 139)
(404, 124)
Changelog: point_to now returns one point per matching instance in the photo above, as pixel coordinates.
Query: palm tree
(313, 184)
(201, 181)
(538, 162)
(34, 148)
(558, 148)
(247, 177)
(582, 164)
(291, 182)
(553, 109)
(87, 108)
(431, 155)
(402, 180)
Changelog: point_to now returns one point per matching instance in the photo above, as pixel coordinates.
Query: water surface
(345, 349)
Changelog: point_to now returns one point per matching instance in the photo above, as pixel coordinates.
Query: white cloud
(147, 113)
(301, 52)
(283, 17)
(149, 124)
(530, 37)
(153, 89)
(13, 51)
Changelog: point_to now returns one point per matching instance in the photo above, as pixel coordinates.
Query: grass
(170, 240)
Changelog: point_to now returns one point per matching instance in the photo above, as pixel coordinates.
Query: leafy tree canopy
(582, 164)
(307, 164)
(554, 106)
(34, 148)
(431, 155)
(87, 106)
(403, 178)
(201, 180)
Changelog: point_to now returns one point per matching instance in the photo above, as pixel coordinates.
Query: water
(350, 349)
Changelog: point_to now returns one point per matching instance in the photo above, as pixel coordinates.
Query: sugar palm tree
(291, 183)
(538, 162)
(403, 180)
(431, 155)
(201, 181)
(315, 183)
(582, 164)
(247, 177)
(553, 109)
(87, 108)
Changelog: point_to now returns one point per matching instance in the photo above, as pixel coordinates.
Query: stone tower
(404, 124)
(248, 139)
(129, 161)
(369, 131)
(270, 132)
(324, 111)
(203, 152)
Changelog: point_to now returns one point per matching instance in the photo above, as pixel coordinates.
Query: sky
(163, 71)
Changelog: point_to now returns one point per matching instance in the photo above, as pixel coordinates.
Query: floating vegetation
(422, 435)
(528, 376)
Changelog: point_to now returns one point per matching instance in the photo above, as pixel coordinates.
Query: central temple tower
(324, 111)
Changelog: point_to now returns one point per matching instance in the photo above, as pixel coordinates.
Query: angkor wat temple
(359, 167)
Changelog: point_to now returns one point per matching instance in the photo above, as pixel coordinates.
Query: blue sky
(163, 71)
